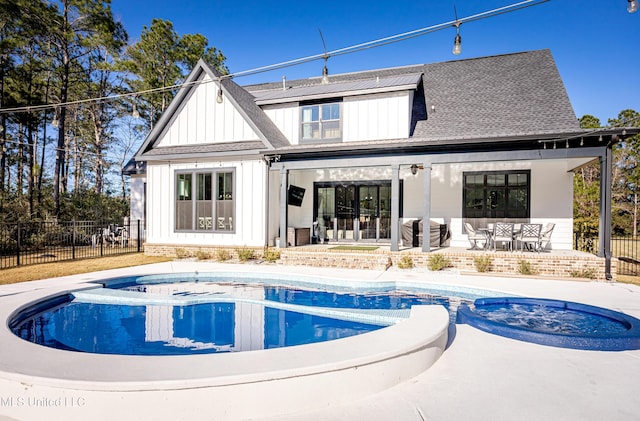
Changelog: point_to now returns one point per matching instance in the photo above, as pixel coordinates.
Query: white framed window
(321, 121)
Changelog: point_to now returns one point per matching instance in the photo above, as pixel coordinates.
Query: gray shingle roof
(505, 96)
(207, 148)
(509, 95)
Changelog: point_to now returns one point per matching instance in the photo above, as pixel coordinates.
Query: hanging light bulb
(134, 111)
(219, 97)
(567, 145)
(632, 6)
(325, 73)
(55, 123)
(582, 141)
(457, 41)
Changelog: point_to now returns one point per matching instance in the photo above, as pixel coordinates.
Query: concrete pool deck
(480, 376)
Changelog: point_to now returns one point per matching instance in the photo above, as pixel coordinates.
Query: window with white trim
(321, 122)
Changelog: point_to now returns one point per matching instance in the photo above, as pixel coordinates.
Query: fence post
(73, 241)
(101, 240)
(139, 237)
(18, 244)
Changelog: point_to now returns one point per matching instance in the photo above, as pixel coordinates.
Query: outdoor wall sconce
(415, 168)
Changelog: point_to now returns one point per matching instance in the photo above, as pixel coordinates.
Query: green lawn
(74, 267)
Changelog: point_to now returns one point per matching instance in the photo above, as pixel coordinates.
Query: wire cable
(322, 56)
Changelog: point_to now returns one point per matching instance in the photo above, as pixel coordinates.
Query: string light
(325, 55)
(457, 42)
(219, 97)
(55, 122)
(134, 112)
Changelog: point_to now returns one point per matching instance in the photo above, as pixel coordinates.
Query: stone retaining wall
(541, 264)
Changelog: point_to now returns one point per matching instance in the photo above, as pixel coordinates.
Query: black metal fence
(29, 243)
(625, 248)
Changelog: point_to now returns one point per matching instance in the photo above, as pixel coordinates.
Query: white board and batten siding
(203, 120)
(250, 204)
(364, 117)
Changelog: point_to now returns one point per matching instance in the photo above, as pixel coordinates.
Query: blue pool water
(557, 323)
(176, 330)
(541, 318)
(138, 317)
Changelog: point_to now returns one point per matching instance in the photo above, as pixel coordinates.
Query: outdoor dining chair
(529, 236)
(545, 236)
(502, 233)
(475, 236)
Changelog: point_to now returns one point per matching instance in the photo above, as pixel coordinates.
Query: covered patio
(425, 182)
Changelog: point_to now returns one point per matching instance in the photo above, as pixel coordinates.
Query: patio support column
(604, 246)
(284, 184)
(426, 214)
(395, 207)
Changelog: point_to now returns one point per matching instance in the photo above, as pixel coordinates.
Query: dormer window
(321, 122)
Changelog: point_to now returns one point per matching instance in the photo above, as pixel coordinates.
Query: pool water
(541, 318)
(239, 317)
(176, 330)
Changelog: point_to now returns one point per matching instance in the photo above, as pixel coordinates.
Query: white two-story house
(354, 157)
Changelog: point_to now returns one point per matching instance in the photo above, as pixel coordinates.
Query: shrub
(182, 253)
(483, 263)
(438, 262)
(245, 254)
(271, 255)
(589, 273)
(525, 268)
(203, 255)
(222, 255)
(406, 262)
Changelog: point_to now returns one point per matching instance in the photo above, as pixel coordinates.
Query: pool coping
(321, 373)
(528, 381)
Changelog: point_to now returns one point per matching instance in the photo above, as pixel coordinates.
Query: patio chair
(475, 236)
(502, 233)
(545, 237)
(529, 236)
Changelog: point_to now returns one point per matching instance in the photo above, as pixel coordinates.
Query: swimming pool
(213, 313)
(275, 381)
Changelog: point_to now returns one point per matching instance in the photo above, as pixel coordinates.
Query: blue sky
(595, 43)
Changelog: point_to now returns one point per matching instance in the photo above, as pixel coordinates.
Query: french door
(353, 211)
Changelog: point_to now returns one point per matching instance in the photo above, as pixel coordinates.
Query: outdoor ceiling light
(457, 42)
(632, 6)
